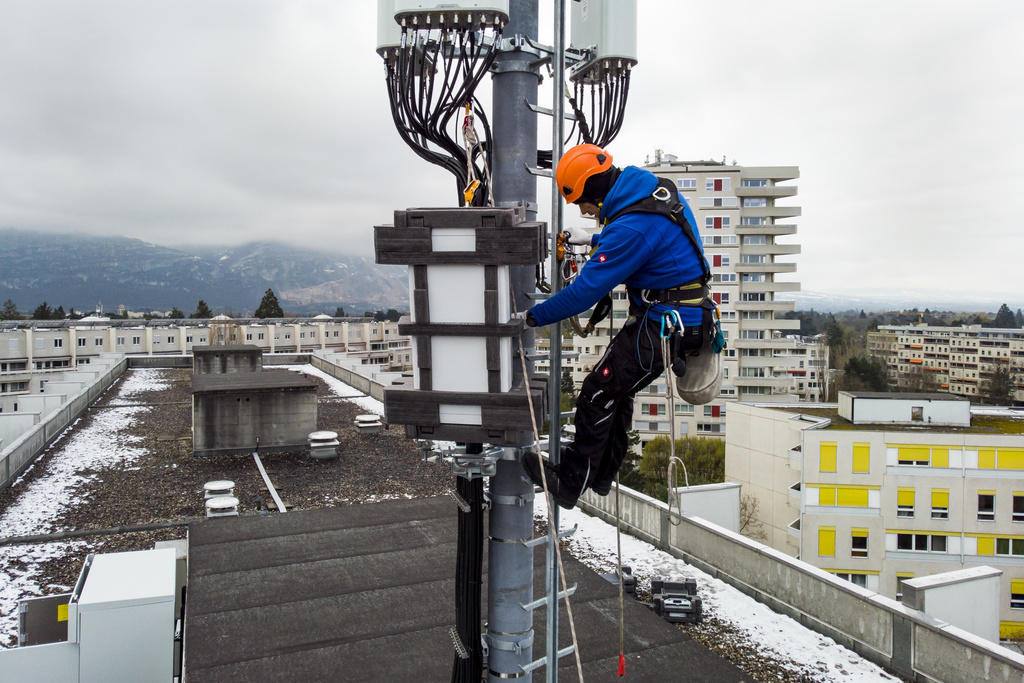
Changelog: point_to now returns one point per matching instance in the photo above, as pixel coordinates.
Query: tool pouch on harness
(698, 370)
(702, 372)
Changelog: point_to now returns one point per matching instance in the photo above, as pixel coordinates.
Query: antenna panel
(468, 14)
(609, 28)
(389, 33)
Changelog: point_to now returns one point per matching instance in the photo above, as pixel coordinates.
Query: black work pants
(604, 407)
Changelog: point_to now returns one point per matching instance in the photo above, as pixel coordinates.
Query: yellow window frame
(862, 458)
(827, 456)
(826, 541)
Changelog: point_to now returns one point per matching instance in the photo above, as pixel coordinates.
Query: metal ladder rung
(538, 663)
(540, 602)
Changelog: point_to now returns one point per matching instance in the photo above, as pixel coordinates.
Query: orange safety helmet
(578, 164)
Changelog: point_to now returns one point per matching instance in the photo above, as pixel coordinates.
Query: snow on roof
(33, 511)
(340, 389)
(806, 652)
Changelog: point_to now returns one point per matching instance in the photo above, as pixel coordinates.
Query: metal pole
(510, 562)
(555, 366)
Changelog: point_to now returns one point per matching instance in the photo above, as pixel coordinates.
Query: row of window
(13, 387)
(1011, 458)
(923, 542)
(682, 409)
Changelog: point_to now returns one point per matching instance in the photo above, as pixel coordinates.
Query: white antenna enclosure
(606, 26)
(389, 33)
(465, 13)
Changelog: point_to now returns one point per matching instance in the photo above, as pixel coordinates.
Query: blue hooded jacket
(643, 250)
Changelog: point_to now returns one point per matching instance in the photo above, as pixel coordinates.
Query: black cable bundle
(607, 96)
(430, 80)
(468, 579)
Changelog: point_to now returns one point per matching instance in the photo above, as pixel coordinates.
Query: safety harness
(695, 293)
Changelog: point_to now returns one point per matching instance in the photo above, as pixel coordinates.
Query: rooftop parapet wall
(903, 640)
(19, 453)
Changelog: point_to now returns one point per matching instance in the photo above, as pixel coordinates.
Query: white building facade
(880, 503)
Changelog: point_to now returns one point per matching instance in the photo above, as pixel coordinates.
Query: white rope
(552, 531)
(670, 386)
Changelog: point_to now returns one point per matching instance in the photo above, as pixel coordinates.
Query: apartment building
(960, 360)
(31, 349)
(740, 223)
(888, 486)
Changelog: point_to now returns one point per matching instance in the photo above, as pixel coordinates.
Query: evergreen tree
(59, 314)
(999, 389)
(269, 307)
(202, 310)
(42, 312)
(9, 311)
(1020, 319)
(1004, 318)
(339, 312)
(176, 313)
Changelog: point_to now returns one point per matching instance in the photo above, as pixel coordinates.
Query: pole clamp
(518, 501)
(496, 642)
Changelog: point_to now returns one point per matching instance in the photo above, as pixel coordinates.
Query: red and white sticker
(607, 371)
(602, 258)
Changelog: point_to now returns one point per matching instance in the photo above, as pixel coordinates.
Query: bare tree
(750, 525)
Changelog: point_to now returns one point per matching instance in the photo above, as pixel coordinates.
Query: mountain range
(81, 271)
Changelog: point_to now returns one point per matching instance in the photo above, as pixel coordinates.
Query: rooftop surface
(994, 422)
(906, 395)
(251, 381)
(309, 595)
(200, 350)
(127, 463)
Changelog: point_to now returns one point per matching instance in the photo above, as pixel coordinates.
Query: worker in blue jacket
(666, 274)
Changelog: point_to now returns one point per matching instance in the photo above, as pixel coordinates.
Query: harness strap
(664, 201)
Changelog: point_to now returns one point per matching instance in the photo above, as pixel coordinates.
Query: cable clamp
(460, 649)
(463, 504)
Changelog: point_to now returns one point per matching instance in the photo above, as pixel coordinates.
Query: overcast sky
(186, 122)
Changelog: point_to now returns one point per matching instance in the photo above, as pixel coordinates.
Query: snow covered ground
(103, 443)
(339, 388)
(777, 636)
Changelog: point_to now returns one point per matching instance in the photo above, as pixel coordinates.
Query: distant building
(884, 487)
(30, 349)
(960, 360)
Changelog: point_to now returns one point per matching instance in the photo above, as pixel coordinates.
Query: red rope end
(622, 665)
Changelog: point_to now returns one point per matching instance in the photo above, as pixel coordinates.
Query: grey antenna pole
(510, 561)
(555, 366)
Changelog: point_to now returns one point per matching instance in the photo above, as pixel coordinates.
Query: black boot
(564, 493)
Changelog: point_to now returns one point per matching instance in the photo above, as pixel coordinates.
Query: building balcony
(780, 382)
(776, 324)
(767, 191)
(764, 305)
(765, 268)
(776, 173)
(770, 249)
(772, 211)
(775, 229)
(770, 286)
(763, 343)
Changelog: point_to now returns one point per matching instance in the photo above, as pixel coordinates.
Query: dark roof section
(906, 396)
(366, 592)
(267, 380)
(200, 350)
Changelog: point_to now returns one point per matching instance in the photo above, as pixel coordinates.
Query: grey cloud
(184, 122)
